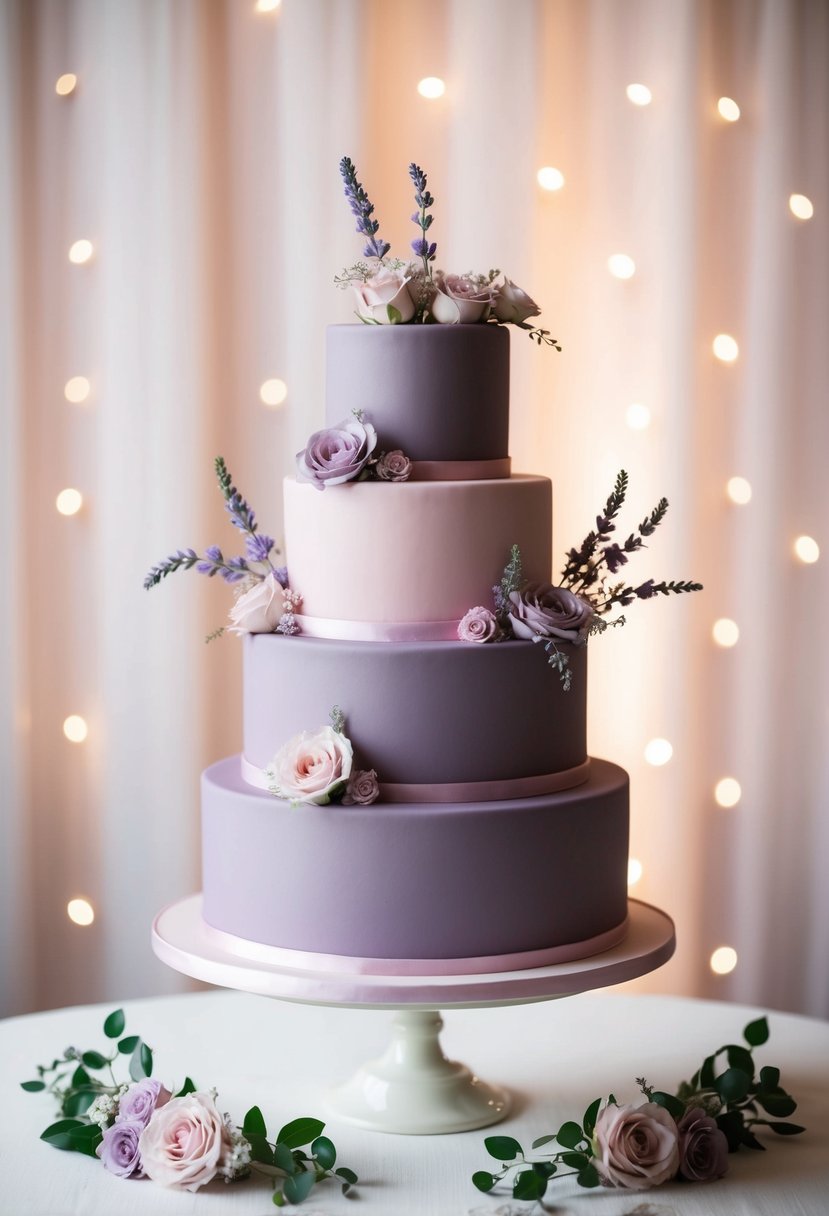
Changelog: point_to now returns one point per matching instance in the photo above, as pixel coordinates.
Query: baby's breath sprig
(337, 718)
(511, 580)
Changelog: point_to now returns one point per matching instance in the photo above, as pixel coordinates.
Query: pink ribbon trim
(460, 791)
(460, 470)
(378, 631)
(279, 956)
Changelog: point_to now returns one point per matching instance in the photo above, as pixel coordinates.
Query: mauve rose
(513, 305)
(120, 1150)
(703, 1148)
(184, 1143)
(635, 1146)
(460, 301)
(393, 466)
(311, 767)
(337, 454)
(385, 289)
(140, 1100)
(258, 610)
(362, 789)
(542, 611)
(479, 625)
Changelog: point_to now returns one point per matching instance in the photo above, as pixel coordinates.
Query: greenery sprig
(88, 1092)
(732, 1102)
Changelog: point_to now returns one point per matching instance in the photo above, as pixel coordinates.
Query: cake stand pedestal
(412, 1089)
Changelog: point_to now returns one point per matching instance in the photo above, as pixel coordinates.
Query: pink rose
(512, 305)
(541, 611)
(312, 767)
(635, 1147)
(703, 1148)
(479, 625)
(362, 789)
(184, 1143)
(393, 466)
(258, 610)
(460, 300)
(337, 454)
(384, 290)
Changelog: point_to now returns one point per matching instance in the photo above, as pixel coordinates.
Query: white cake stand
(412, 1089)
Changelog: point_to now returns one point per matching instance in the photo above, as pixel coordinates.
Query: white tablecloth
(556, 1057)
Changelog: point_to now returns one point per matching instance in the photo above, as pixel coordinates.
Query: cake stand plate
(412, 1089)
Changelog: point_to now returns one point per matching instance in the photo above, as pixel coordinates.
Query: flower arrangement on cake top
(578, 606)
(394, 291)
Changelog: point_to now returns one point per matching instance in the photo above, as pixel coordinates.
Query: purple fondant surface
(419, 712)
(439, 392)
(404, 881)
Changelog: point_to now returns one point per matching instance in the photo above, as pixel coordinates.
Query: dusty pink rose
(459, 300)
(312, 767)
(119, 1149)
(184, 1142)
(479, 625)
(542, 611)
(384, 290)
(393, 466)
(362, 789)
(337, 454)
(703, 1148)
(635, 1147)
(258, 610)
(140, 1100)
(513, 305)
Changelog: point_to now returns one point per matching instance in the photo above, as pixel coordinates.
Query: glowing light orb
(726, 632)
(801, 206)
(69, 501)
(634, 871)
(738, 490)
(66, 84)
(723, 960)
(658, 752)
(806, 550)
(80, 911)
(639, 94)
(621, 266)
(273, 392)
(76, 390)
(266, 6)
(431, 87)
(75, 728)
(727, 792)
(80, 252)
(638, 417)
(549, 178)
(725, 348)
(728, 109)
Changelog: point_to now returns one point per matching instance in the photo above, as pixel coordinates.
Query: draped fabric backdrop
(199, 154)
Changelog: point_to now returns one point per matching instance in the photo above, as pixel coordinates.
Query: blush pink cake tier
(496, 843)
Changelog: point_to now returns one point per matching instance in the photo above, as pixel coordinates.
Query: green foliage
(114, 1024)
(725, 1085)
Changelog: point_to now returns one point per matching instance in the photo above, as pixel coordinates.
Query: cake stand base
(412, 1089)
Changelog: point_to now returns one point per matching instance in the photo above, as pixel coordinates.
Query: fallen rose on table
(685, 1136)
(139, 1128)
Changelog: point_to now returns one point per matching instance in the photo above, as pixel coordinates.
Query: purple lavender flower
(281, 576)
(119, 1149)
(614, 557)
(362, 208)
(421, 247)
(258, 547)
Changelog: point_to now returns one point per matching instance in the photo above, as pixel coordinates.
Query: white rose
(459, 300)
(258, 610)
(384, 290)
(513, 305)
(311, 767)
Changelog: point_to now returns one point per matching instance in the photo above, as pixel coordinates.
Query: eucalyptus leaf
(590, 1117)
(298, 1187)
(346, 1174)
(528, 1185)
(254, 1122)
(706, 1073)
(260, 1150)
(769, 1078)
(671, 1104)
(85, 1139)
(283, 1159)
(128, 1045)
(59, 1134)
(300, 1131)
(542, 1140)
(187, 1088)
(483, 1181)
(503, 1148)
(786, 1129)
(278, 1198)
(732, 1085)
(749, 1139)
(778, 1104)
(738, 1057)
(79, 1102)
(569, 1135)
(324, 1151)
(575, 1161)
(114, 1024)
(94, 1059)
(32, 1087)
(757, 1032)
(80, 1078)
(141, 1062)
(730, 1123)
(589, 1176)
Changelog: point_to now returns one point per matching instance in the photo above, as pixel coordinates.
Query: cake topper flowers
(266, 603)
(393, 291)
(578, 606)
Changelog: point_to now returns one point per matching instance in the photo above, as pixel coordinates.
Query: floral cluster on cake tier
(347, 452)
(578, 606)
(140, 1128)
(317, 768)
(395, 291)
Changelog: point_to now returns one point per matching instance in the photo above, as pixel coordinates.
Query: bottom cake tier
(418, 889)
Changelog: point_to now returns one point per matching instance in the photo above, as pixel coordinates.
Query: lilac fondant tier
(416, 882)
(439, 392)
(376, 551)
(419, 713)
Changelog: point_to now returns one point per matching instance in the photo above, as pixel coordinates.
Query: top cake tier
(438, 392)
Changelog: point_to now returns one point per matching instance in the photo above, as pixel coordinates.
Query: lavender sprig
(421, 247)
(363, 209)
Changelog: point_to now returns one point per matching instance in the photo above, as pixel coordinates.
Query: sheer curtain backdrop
(198, 153)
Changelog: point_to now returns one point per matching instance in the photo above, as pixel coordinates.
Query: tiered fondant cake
(495, 843)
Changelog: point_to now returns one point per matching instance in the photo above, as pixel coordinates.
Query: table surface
(556, 1057)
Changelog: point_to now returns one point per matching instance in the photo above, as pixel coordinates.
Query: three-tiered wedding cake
(490, 841)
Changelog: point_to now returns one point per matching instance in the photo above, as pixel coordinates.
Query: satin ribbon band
(377, 631)
(279, 956)
(460, 791)
(460, 470)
